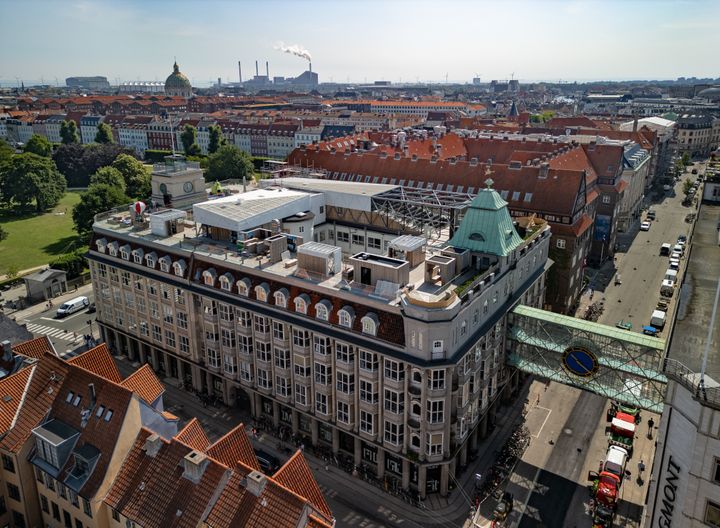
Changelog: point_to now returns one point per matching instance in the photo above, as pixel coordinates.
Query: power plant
(307, 79)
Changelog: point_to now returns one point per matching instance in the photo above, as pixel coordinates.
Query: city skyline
(207, 44)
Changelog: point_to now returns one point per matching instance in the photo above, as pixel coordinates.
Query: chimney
(6, 349)
(544, 170)
(240, 71)
(153, 443)
(257, 72)
(267, 69)
(310, 66)
(195, 463)
(635, 123)
(254, 482)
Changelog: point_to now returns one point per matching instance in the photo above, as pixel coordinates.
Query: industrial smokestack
(257, 72)
(240, 71)
(267, 69)
(310, 67)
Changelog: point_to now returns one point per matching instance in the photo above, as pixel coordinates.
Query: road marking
(531, 490)
(544, 421)
(57, 333)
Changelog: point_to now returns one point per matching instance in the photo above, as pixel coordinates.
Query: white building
(152, 87)
(89, 128)
(307, 136)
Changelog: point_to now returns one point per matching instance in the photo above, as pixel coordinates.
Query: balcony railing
(690, 379)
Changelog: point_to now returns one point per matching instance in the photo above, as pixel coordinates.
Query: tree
(78, 162)
(28, 177)
(686, 159)
(104, 134)
(216, 139)
(39, 145)
(687, 185)
(137, 179)
(108, 176)
(3, 234)
(6, 152)
(188, 137)
(97, 199)
(229, 162)
(69, 133)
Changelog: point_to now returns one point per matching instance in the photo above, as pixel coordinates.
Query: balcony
(413, 422)
(415, 390)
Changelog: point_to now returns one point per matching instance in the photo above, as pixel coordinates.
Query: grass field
(34, 240)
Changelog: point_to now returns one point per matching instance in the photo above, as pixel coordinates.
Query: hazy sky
(357, 40)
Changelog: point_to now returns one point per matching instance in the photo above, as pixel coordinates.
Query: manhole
(567, 431)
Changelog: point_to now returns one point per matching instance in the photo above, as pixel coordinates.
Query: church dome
(710, 93)
(177, 83)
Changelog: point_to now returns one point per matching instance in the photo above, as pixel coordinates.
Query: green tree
(39, 145)
(188, 137)
(6, 152)
(687, 185)
(108, 176)
(97, 199)
(79, 162)
(229, 162)
(137, 179)
(104, 134)
(3, 234)
(28, 177)
(686, 159)
(69, 132)
(217, 139)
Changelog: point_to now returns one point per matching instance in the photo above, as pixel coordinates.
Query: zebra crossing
(55, 333)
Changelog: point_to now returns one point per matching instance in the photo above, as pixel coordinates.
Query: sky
(358, 41)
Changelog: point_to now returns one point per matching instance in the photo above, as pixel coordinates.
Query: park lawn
(34, 240)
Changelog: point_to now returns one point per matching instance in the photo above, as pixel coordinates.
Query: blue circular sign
(580, 361)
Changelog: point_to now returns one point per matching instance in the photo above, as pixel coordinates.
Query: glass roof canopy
(614, 363)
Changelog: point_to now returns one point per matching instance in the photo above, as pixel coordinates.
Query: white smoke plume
(295, 49)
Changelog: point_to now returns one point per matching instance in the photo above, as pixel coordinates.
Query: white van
(72, 306)
(667, 288)
(658, 319)
(616, 461)
(671, 275)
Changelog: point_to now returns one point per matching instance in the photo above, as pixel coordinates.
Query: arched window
(262, 291)
(281, 297)
(346, 316)
(323, 309)
(370, 324)
(125, 252)
(151, 259)
(243, 286)
(209, 276)
(226, 281)
(302, 302)
(113, 248)
(179, 267)
(138, 255)
(165, 263)
(101, 244)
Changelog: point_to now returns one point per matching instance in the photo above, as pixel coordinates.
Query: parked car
(682, 239)
(92, 308)
(268, 463)
(675, 255)
(651, 215)
(667, 187)
(665, 250)
(674, 264)
(645, 226)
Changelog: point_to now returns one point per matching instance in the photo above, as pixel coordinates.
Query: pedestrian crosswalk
(55, 333)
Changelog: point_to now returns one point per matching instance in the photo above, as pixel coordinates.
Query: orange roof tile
(144, 383)
(233, 447)
(169, 415)
(35, 348)
(193, 435)
(12, 389)
(98, 361)
(296, 476)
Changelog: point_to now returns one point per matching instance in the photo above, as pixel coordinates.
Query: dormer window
(243, 286)
(262, 291)
(69, 397)
(125, 252)
(346, 316)
(138, 255)
(101, 244)
(108, 415)
(179, 267)
(209, 276)
(370, 324)
(281, 297)
(226, 281)
(323, 309)
(113, 249)
(151, 259)
(165, 263)
(100, 411)
(76, 400)
(302, 302)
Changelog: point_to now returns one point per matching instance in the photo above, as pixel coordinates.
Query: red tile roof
(233, 447)
(296, 476)
(99, 361)
(35, 348)
(193, 435)
(12, 389)
(144, 383)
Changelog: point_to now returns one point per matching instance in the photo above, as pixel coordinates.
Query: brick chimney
(255, 483)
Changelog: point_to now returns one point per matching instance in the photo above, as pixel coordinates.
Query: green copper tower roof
(487, 226)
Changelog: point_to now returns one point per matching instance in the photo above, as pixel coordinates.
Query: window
(243, 286)
(302, 367)
(322, 310)
(321, 345)
(367, 392)
(281, 298)
(213, 358)
(44, 504)
(368, 361)
(144, 328)
(263, 378)
(55, 511)
(226, 281)
(278, 330)
(343, 412)
(8, 463)
(246, 371)
(374, 243)
(560, 244)
(282, 386)
(436, 381)
(345, 382)
(262, 325)
(86, 508)
(115, 516)
(323, 374)
(346, 316)
(434, 444)
(13, 492)
(394, 401)
(264, 352)
(341, 235)
(606, 198)
(184, 344)
(181, 319)
(393, 433)
(282, 358)
(370, 324)
(78, 523)
(367, 422)
(229, 364)
(244, 318)
(321, 403)
(300, 394)
(301, 338)
(170, 339)
(157, 333)
(261, 292)
(301, 304)
(227, 337)
(18, 519)
(712, 514)
(392, 370)
(358, 239)
(154, 310)
(716, 473)
(226, 312)
(435, 411)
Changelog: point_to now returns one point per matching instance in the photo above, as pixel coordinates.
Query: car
(682, 239)
(651, 214)
(645, 226)
(667, 187)
(268, 463)
(92, 308)
(694, 171)
(675, 255)
(674, 264)
(72, 306)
